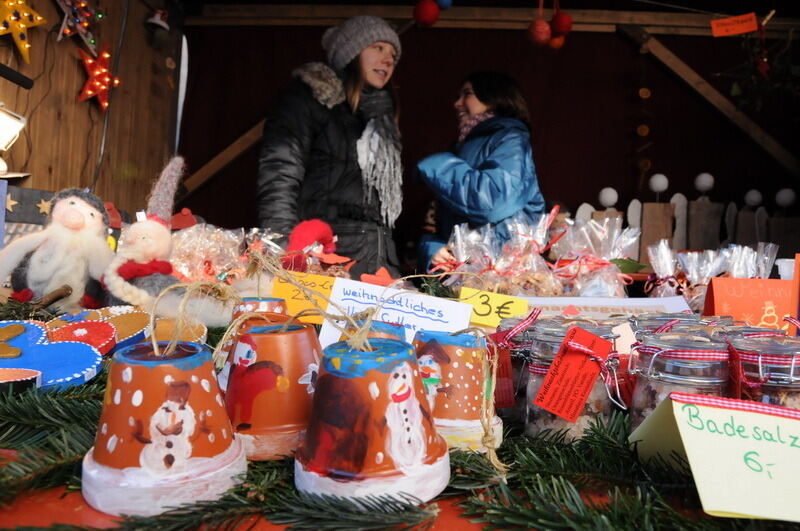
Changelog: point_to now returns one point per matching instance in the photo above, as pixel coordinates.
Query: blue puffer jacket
(491, 177)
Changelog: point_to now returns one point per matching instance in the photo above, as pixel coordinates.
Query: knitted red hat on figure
(313, 233)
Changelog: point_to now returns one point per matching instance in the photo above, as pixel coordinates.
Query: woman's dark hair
(500, 93)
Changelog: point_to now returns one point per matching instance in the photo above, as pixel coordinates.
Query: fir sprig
(50, 463)
(555, 503)
(268, 491)
(14, 310)
(50, 432)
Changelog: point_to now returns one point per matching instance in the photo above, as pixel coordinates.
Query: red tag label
(724, 27)
(572, 374)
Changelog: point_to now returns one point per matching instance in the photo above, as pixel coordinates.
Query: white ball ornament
(753, 198)
(785, 197)
(608, 197)
(704, 182)
(659, 182)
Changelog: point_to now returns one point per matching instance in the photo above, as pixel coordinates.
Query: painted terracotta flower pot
(271, 317)
(379, 329)
(270, 383)
(456, 377)
(259, 305)
(191, 332)
(371, 431)
(164, 437)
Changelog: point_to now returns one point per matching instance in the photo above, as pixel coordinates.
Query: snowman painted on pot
(170, 434)
(406, 441)
(431, 357)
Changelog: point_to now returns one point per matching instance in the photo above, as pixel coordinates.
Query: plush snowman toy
(406, 441)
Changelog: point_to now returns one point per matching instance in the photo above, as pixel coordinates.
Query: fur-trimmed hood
(323, 81)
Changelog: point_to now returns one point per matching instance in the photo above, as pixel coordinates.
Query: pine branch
(31, 417)
(555, 503)
(13, 310)
(469, 471)
(214, 335)
(51, 463)
(304, 511)
(435, 288)
(268, 491)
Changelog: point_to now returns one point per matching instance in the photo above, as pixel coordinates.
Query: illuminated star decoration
(100, 77)
(10, 203)
(78, 18)
(15, 18)
(44, 207)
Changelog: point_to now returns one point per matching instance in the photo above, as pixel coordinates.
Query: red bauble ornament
(539, 32)
(556, 42)
(561, 23)
(426, 13)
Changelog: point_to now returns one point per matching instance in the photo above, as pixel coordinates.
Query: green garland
(551, 484)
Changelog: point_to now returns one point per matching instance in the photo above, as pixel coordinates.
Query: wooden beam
(593, 20)
(239, 146)
(652, 45)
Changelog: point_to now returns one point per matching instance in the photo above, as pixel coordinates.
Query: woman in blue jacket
(490, 176)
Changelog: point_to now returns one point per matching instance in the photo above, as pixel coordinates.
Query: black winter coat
(308, 168)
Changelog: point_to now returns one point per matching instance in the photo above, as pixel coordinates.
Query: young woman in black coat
(331, 147)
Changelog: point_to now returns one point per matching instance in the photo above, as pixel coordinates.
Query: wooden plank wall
(60, 145)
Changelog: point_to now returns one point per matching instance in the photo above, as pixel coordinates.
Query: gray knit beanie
(81, 193)
(344, 42)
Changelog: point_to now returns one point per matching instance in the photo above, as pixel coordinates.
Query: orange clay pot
(164, 437)
(378, 329)
(455, 375)
(191, 332)
(259, 305)
(270, 381)
(371, 431)
(271, 317)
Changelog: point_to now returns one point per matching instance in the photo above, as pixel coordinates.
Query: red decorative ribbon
(607, 367)
(503, 339)
(686, 354)
(654, 281)
(446, 267)
(666, 327)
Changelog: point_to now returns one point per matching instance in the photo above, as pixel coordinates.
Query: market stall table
(44, 508)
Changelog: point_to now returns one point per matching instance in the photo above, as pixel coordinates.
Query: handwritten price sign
(744, 456)
(296, 299)
(490, 308)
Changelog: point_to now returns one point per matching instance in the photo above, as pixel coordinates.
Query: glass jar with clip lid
(676, 361)
(546, 338)
(767, 369)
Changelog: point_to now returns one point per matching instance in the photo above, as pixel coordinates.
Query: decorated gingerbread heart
(132, 327)
(69, 318)
(19, 380)
(7, 332)
(99, 334)
(62, 364)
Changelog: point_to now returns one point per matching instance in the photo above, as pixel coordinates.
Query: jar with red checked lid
(679, 362)
(546, 337)
(768, 369)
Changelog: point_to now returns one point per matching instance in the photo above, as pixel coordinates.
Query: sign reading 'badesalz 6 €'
(744, 456)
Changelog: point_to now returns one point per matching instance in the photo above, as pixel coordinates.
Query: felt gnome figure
(71, 250)
(141, 269)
